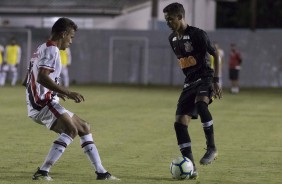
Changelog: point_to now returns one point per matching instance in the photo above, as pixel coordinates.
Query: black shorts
(186, 103)
(233, 74)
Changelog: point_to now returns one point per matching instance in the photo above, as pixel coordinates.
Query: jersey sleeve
(210, 47)
(170, 42)
(203, 43)
(48, 59)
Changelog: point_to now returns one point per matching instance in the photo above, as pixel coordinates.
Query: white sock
(91, 151)
(56, 151)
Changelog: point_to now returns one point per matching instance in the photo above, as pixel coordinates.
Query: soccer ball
(181, 168)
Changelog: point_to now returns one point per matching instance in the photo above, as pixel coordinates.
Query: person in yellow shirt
(1, 62)
(220, 54)
(66, 61)
(11, 61)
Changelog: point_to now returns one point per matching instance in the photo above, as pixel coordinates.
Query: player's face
(173, 21)
(233, 47)
(67, 39)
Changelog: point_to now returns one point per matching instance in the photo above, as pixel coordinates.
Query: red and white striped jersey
(47, 56)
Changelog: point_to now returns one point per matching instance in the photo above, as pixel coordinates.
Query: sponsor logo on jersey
(188, 46)
(187, 62)
(174, 39)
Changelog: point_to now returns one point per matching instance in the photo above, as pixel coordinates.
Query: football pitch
(133, 130)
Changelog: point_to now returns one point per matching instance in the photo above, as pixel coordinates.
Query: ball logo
(181, 168)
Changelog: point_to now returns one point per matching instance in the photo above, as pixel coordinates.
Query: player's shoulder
(172, 36)
(196, 30)
(51, 47)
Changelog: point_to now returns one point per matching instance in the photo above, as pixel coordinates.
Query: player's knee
(71, 131)
(85, 128)
(202, 108)
(182, 120)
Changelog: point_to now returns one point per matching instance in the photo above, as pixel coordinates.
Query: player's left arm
(212, 51)
(62, 96)
(44, 79)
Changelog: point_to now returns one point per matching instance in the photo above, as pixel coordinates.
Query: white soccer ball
(181, 168)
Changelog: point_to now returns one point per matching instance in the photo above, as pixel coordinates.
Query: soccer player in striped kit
(191, 45)
(42, 92)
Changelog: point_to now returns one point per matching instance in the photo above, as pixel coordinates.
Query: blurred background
(126, 41)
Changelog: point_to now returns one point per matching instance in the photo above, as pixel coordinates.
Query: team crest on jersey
(188, 46)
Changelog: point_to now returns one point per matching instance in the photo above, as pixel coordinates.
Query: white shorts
(8, 67)
(49, 114)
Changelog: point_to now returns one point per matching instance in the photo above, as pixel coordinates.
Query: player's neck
(56, 40)
(182, 29)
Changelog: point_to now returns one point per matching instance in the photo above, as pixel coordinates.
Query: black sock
(183, 137)
(206, 120)
(209, 136)
(181, 133)
(187, 152)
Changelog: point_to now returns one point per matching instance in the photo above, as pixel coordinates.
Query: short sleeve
(48, 59)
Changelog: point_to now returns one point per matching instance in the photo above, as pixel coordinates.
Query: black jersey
(192, 52)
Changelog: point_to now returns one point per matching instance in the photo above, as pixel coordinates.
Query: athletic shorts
(8, 67)
(49, 114)
(186, 103)
(233, 74)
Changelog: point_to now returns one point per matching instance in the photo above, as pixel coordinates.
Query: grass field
(133, 130)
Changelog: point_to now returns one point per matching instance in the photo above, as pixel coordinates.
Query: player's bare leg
(90, 149)
(67, 130)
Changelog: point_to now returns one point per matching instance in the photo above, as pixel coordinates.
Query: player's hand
(76, 97)
(63, 97)
(217, 90)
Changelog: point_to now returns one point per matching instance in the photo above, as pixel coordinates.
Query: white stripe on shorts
(207, 124)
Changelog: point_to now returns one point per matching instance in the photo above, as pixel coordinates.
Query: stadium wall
(145, 57)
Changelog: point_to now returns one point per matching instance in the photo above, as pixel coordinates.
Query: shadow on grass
(158, 179)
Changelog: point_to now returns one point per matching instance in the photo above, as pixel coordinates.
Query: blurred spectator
(235, 61)
(220, 54)
(1, 62)
(66, 61)
(11, 61)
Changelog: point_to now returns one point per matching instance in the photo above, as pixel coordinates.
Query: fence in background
(145, 57)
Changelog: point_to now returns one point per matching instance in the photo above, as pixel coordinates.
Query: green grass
(133, 130)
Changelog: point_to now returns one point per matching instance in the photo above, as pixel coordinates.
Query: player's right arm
(44, 79)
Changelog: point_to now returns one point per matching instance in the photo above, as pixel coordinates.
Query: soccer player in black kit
(191, 45)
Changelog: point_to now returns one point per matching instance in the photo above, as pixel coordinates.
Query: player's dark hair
(63, 24)
(175, 9)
